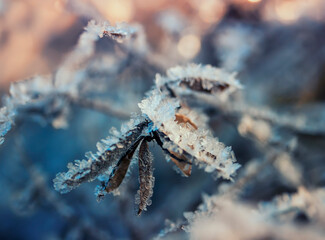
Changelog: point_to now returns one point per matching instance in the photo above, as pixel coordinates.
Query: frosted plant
(66, 78)
(201, 79)
(310, 203)
(47, 98)
(35, 97)
(221, 217)
(7, 114)
(303, 121)
(174, 127)
(187, 108)
(170, 228)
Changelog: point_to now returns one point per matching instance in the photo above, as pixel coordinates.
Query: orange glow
(22, 54)
(59, 5)
(254, 1)
(116, 10)
(188, 46)
(287, 11)
(211, 11)
(290, 11)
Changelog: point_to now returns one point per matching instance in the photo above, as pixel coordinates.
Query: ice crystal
(207, 152)
(159, 108)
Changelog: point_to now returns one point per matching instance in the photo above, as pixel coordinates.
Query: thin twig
(106, 107)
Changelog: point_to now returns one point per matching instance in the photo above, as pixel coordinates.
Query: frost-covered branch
(220, 217)
(48, 97)
(175, 128)
(297, 121)
(194, 79)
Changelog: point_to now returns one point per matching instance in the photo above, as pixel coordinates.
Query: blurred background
(277, 48)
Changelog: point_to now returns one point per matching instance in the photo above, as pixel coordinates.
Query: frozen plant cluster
(220, 217)
(232, 100)
(47, 97)
(166, 120)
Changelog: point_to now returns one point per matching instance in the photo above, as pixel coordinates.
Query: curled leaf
(182, 119)
(195, 78)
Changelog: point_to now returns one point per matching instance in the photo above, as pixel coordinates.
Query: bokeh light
(188, 46)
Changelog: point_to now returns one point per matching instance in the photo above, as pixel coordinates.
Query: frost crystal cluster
(178, 130)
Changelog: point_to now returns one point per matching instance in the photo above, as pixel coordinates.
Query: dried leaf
(181, 160)
(120, 172)
(146, 178)
(193, 78)
(199, 85)
(110, 152)
(120, 32)
(182, 119)
(185, 167)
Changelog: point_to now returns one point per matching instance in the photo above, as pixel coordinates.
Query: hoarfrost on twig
(48, 96)
(175, 128)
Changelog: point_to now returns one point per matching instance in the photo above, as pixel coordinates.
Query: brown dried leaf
(182, 119)
(145, 177)
(120, 172)
(198, 84)
(183, 166)
(181, 160)
(114, 35)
